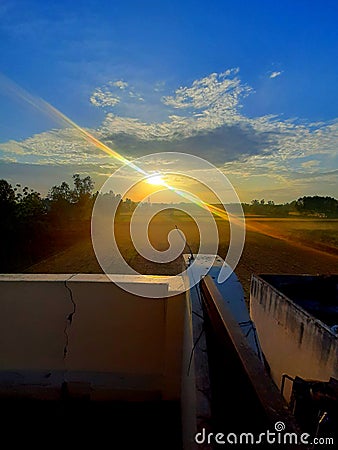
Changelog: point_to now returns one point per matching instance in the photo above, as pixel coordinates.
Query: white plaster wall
(116, 341)
(292, 341)
(32, 318)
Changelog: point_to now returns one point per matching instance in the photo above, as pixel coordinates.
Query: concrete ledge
(97, 386)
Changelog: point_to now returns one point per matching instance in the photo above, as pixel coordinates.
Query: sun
(156, 180)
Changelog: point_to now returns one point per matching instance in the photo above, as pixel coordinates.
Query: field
(318, 233)
(272, 246)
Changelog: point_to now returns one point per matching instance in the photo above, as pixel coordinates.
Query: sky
(250, 86)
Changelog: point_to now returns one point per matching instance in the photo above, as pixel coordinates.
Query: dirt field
(316, 233)
(272, 246)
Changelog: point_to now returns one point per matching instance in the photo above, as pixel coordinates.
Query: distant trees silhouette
(72, 203)
(269, 208)
(22, 214)
(33, 228)
(315, 206)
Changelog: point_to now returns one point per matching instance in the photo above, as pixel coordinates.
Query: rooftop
(82, 358)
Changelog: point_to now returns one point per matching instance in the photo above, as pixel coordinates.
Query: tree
(32, 227)
(60, 200)
(61, 193)
(7, 201)
(31, 206)
(7, 208)
(83, 188)
(7, 193)
(67, 203)
(327, 206)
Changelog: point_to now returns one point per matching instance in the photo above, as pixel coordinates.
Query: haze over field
(272, 246)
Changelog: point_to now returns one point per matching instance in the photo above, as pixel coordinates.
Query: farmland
(283, 245)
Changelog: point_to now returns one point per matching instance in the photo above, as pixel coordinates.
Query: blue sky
(249, 85)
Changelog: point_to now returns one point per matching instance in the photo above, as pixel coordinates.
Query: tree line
(33, 227)
(308, 206)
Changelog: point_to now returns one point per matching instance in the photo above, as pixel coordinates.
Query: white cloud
(213, 101)
(212, 91)
(64, 146)
(204, 118)
(133, 94)
(159, 86)
(275, 74)
(112, 93)
(210, 112)
(119, 84)
(104, 98)
(310, 164)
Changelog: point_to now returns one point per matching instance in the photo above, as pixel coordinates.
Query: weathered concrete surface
(292, 340)
(116, 344)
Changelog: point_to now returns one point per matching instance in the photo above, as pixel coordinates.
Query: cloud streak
(275, 74)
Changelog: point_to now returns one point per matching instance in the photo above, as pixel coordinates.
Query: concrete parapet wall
(116, 341)
(292, 340)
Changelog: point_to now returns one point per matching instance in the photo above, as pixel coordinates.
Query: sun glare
(156, 180)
